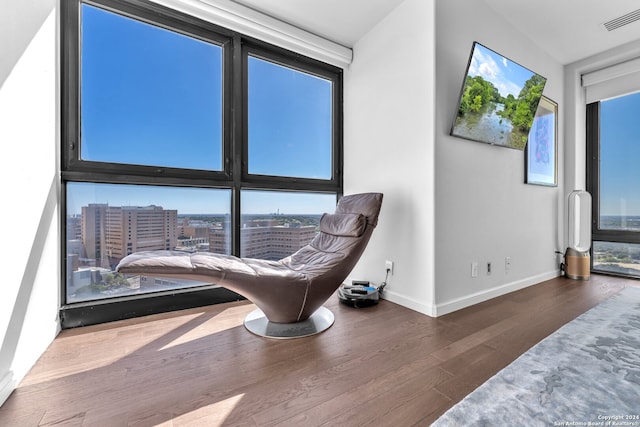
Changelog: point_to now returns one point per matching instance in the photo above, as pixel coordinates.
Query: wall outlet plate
(388, 265)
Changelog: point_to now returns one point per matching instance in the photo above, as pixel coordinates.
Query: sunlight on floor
(210, 415)
(88, 344)
(227, 319)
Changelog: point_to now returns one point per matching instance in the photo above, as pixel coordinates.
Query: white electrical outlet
(388, 265)
(474, 269)
(507, 263)
(488, 269)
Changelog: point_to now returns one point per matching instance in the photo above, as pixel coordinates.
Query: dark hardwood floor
(381, 366)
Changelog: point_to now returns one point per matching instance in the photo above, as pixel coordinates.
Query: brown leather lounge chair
(289, 293)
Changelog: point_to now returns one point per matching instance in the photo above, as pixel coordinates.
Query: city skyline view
(196, 201)
(102, 235)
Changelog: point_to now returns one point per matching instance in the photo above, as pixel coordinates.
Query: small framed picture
(541, 154)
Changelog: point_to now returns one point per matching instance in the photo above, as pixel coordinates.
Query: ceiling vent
(621, 21)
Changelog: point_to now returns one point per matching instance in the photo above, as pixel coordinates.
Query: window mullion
(126, 201)
(237, 132)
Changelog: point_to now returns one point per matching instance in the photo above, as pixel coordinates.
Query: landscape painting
(498, 100)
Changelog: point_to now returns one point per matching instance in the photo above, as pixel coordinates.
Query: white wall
(29, 185)
(19, 22)
(389, 148)
(448, 201)
(484, 211)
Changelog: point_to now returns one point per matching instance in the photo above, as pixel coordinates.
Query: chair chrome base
(257, 323)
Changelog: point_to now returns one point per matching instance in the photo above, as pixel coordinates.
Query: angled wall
(29, 184)
(484, 211)
(389, 147)
(448, 202)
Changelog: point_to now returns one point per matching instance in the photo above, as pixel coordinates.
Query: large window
(106, 222)
(149, 96)
(614, 145)
(289, 121)
(181, 135)
(276, 224)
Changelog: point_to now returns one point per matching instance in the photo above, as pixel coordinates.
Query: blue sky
(507, 76)
(149, 96)
(154, 97)
(619, 154)
(289, 122)
(196, 200)
(186, 200)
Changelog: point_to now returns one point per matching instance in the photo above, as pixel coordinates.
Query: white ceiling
(341, 21)
(569, 30)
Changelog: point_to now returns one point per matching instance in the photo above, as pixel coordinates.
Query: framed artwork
(497, 101)
(541, 154)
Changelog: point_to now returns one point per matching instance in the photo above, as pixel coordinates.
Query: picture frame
(498, 100)
(541, 153)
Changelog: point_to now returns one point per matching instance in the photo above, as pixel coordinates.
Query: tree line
(479, 92)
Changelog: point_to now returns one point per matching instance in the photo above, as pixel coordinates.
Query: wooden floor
(381, 366)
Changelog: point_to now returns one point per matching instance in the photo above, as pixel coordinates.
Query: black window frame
(234, 175)
(302, 64)
(593, 187)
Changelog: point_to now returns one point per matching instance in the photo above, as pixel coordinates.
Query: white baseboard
(7, 385)
(467, 300)
(478, 297)
(410, 303)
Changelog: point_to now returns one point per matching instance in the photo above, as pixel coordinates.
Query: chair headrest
(347, 225)
(367, 204)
